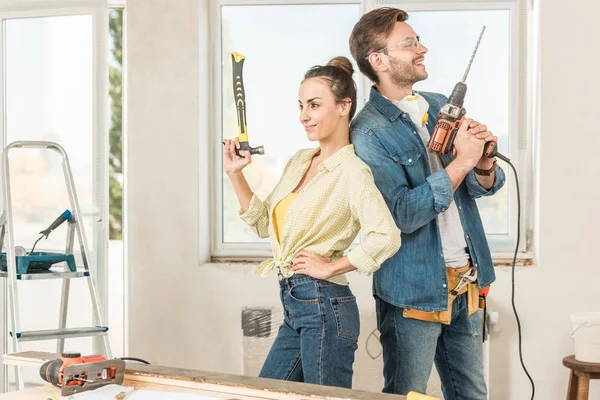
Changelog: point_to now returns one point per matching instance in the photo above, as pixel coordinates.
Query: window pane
(49, 97)
(115, 135)
(487, 99)
(280, 43)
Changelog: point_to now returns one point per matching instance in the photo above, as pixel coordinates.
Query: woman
(325, 196)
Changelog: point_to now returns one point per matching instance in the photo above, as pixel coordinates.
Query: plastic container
(586, 334)
(40, 262)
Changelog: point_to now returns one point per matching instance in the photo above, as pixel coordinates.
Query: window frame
(119, 305)
(98, 239)
(218, 249)
(521, 114)
(521, 145)
(99, 113)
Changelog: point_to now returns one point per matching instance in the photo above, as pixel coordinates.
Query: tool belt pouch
(445, 316)
(473, 298)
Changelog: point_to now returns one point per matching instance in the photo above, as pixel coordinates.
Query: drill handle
(449, 121)
(490, 149)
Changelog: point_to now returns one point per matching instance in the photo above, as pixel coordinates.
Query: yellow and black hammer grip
(240, 104)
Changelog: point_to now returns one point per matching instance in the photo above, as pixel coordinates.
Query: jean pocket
(346, 316)
(305, 292)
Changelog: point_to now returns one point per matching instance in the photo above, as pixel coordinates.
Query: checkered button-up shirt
(327, 215)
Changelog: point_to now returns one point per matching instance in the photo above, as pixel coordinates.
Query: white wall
(567, 275)
(187, 315)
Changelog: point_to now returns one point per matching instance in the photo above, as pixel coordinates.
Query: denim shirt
(385, 138)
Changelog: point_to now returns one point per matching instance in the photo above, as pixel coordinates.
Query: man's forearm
(457, 171)
(486, 182)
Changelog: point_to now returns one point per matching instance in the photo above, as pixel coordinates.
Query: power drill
(452, 115)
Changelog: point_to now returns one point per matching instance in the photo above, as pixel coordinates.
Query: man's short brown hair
(370, 34)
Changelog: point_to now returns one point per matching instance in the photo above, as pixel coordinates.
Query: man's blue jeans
(411, 346)
(318, 337)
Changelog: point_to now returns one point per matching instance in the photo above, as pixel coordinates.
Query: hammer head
(245, 146)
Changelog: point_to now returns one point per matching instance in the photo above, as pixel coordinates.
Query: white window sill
(524, 259)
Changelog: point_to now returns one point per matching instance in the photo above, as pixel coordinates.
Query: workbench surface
(217, 385)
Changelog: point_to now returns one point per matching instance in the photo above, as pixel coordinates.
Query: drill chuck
(457, 97)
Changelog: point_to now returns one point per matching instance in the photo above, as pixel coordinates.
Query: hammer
(240, 104)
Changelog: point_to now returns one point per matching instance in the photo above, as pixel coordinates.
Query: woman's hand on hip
(307, 263)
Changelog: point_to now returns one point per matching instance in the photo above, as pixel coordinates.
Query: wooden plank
(28, 358)
(47, 391)
(208, 383)
(216, 391)
(246, 385)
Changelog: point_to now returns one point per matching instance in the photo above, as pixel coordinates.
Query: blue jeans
(318, 337)
(411, 346)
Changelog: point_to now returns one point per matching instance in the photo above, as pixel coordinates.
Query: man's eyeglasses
(411, 42)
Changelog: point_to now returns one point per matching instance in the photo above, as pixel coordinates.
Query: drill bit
(473, 55)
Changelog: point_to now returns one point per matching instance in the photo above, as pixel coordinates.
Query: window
(279, 46)
(115, 134)
(49, 97)
(495, 93)
(54, 88)
(116, 260)
(277, 52)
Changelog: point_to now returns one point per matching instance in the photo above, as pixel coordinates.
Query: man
(421, 317)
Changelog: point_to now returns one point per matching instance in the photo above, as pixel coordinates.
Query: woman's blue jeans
(319, 334)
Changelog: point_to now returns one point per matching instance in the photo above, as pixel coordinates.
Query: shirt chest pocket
(414, 164)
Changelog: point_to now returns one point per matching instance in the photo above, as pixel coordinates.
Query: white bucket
(586, 332)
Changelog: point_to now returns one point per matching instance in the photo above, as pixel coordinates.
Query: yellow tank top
(279, 213)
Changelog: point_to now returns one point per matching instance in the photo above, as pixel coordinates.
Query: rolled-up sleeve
(377, 224)
(257, 216)
(476, 190)
(441, 188)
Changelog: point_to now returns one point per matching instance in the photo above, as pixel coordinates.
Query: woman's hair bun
(342, 63)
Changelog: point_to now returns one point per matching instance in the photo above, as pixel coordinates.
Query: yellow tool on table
(419, 396)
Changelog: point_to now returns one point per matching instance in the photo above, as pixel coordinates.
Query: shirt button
(415, 132)
(442, 255)
(443, 209)
(410, 160)
(403, 115)
(467, 236)
(459, 207)
(444, 286)
(476, 265)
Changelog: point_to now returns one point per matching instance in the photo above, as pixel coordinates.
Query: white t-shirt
(454, 245)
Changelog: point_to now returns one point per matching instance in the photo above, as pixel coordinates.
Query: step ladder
(14, 273)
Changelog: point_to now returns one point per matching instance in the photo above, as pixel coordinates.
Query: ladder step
(30, 336)
(47, 275)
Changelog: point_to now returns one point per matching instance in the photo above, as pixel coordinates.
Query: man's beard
(405, 74)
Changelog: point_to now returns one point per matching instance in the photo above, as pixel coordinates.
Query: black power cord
(514, 262)
(134, 359)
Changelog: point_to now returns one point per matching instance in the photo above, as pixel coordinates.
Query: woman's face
(320, 115)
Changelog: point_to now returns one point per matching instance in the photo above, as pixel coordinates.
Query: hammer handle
(239, 95)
